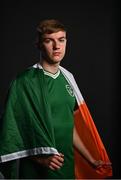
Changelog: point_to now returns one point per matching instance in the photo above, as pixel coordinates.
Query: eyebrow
(63, 37)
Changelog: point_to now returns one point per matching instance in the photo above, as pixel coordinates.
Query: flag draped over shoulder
(26, 124)
(26, 127)
(88, 133)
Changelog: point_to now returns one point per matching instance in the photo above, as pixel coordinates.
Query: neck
(52, 68)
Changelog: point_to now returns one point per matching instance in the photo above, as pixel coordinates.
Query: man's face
(54, 46)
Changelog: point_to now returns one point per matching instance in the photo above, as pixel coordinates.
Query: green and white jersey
(62, 101)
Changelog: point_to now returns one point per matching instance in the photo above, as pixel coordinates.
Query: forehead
(55, 35)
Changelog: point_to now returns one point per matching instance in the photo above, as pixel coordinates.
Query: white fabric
(29, 152)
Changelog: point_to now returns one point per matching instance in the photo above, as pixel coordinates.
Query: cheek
(64, 49)
(47, 49)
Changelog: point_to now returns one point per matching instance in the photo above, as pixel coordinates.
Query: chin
(50, 61)
(56, 60)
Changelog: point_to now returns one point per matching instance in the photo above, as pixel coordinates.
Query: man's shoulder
(27, 74)
(65, 71)
(24, 79)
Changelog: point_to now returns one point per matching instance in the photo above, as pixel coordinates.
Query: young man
(38, 132)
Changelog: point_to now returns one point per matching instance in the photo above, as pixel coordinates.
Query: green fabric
(33, 118)
(62, 105)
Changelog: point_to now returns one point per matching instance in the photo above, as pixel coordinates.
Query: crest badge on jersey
(70, 90)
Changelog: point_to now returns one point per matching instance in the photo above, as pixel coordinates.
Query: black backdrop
(92, 55)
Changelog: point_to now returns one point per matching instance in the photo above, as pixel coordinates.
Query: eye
(62, 40)
(47, 40)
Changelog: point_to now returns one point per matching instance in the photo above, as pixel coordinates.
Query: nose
(56, 45)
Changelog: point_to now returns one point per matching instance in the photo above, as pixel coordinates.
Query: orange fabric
(89, 135)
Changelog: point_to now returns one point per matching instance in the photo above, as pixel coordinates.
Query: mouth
(56, 54)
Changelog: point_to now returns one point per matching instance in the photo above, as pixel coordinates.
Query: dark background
(92, 55)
